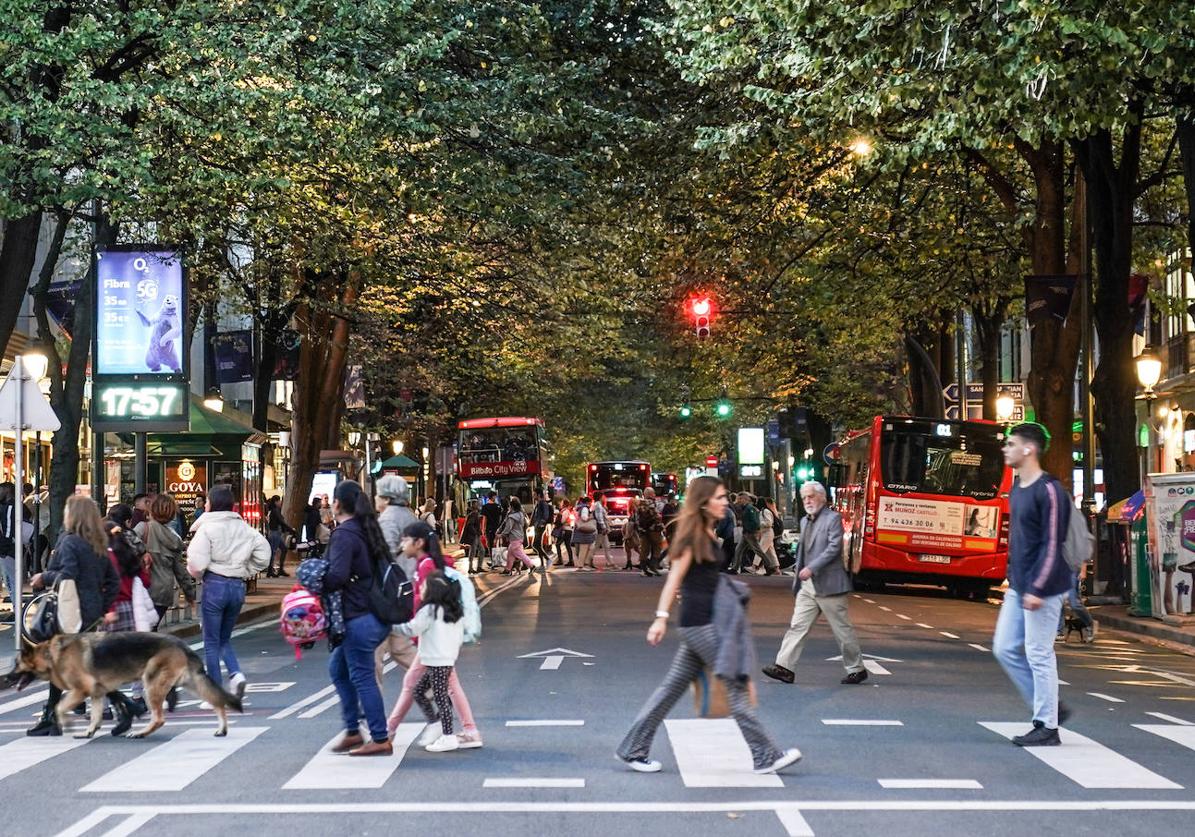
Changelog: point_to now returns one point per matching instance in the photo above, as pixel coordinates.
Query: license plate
(934, 559)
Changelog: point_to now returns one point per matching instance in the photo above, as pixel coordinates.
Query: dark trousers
(565, 540)
(650, 545)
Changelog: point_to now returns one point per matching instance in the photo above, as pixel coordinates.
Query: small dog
(93, 664)
(1075, 625)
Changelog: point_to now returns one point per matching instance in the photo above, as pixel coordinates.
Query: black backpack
(8, 520)
(777, 525)
(391, 594)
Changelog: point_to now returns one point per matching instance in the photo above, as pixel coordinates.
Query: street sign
(36, 412)
(711, 462)
(553, 657)
(1013, 389)
(975, 411)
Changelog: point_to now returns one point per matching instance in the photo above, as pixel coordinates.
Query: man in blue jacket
(1038, 579)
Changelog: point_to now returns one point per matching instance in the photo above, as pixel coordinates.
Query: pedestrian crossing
(700, 754)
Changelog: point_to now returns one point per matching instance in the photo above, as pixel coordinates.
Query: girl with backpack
(584, 534)
(439, 625)
(420, 542)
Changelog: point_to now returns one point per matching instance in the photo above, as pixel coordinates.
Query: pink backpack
(303, 621)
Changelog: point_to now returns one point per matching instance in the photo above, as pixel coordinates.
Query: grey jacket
(736, 651)
(393, 520)
(820, 549)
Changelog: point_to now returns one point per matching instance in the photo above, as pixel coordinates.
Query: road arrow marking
(870, 662)
(553, 658)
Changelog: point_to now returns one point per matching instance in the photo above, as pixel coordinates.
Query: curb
(250, 613)
(1146, 626)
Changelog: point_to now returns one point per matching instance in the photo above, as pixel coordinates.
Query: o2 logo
(1179, 492)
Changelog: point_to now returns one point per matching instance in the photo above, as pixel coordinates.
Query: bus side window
(836, 475)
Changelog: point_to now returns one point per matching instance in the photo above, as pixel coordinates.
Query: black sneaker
(855, 678)
(1039, 736)
(779, 673)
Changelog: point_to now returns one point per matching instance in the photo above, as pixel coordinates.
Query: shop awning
(399, 462)
(183, 448)
(211, 434)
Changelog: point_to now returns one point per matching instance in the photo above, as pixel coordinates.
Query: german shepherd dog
(93, 664)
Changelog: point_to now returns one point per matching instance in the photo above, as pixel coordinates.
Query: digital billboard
(140, 313)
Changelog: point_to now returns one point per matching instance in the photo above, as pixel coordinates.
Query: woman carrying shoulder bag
(82, 557)
(168, 572)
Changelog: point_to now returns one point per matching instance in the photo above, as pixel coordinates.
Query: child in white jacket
(441, 629)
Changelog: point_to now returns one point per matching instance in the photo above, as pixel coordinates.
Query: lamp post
(1149, 372)
(1005, 406)
(37, 365)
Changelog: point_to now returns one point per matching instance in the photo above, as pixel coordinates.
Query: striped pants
(698, 649)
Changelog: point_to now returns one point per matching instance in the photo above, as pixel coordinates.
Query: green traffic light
(724, 409)
(686, 411)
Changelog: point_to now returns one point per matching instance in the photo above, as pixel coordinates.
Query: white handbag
(145, 615)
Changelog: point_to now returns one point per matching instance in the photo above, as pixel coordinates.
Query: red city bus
(925, 501)
(622, 483)
(507, 456)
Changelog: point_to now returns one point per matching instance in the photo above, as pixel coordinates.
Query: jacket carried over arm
(736, 650)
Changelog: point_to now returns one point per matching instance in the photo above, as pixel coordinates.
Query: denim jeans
(1077, 607)
(8, 564)
(222, 601)
(351, 668)
(1024, 645)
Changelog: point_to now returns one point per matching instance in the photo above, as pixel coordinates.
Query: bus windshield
(949, 458)
(607, 475)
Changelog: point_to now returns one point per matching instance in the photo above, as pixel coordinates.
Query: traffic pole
(18, 581)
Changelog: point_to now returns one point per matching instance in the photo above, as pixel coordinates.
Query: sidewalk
(1117, 618)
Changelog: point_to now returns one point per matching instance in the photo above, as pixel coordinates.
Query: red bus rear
(925, 501)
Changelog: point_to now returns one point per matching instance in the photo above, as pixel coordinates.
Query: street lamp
(1149, 370)
(213, 400)
(397, 447)
(36, 364)
(1005, 405)
(861, 146)
(354, 438)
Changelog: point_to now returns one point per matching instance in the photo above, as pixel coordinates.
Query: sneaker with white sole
(443, 744)
(237, 684)
(429, 734)
(789, 756)
(641, 765)
(469, 740)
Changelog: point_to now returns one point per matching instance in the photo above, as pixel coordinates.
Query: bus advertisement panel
(925, 500)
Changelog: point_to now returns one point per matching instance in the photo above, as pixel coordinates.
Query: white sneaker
(790, 756)
(443, 744)
(237, 684)
(429, 734)
(469, 740)
(641, 765)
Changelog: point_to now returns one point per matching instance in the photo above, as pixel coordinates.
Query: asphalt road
(915, 758)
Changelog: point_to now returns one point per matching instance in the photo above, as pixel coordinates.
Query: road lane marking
(22, 702)
(979, 647)
(1164, 717)
(712, 753)
(923, 625)
(27, 752)
(316, 696)
(1184, 735)
(533, 783)
(848, 722)
(1103, 696)
(793, 823)
(906, 618)
(320, 708)
(1087, 762)
(129, 825)
(340, 772)
(949, 635)
(175, 764)
(545, 723)
(944, 784)
(874, 667)
(885, 609)
(870, 601)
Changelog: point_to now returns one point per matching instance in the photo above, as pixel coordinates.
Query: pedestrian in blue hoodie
(1038, 580)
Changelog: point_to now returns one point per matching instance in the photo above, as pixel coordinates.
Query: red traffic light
(701, 309)
(701, 306)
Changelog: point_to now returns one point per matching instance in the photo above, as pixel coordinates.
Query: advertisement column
(1170, 510)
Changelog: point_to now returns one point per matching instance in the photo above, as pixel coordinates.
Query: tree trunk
(1186, 151)
(18, 257)
(1054, 346)
(924, 384)
(1111, 193)
(988, 326)
(318, 398)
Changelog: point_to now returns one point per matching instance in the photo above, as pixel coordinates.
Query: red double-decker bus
(507, 456)
(622, 482)
(924, 501)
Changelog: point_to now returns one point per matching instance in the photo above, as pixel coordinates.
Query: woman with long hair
(168, 570)
(514, 529)
(81, 556)
(562, 531)
(695, 575)
(356, 551)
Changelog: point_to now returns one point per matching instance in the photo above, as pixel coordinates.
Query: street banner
(234, 356)
(140, 312)
(286, 367)
(60, 303)
(1048, 297)
(1170, 511)
(354, 388)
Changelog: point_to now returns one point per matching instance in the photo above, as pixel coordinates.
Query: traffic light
(685, 411)
(723, 409)
(701, 308)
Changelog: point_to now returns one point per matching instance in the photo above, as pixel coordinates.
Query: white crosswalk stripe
(712, 753)
(1087, 762)
(26, 752)
(1184, 735)
(176, 763)
(328, 770)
